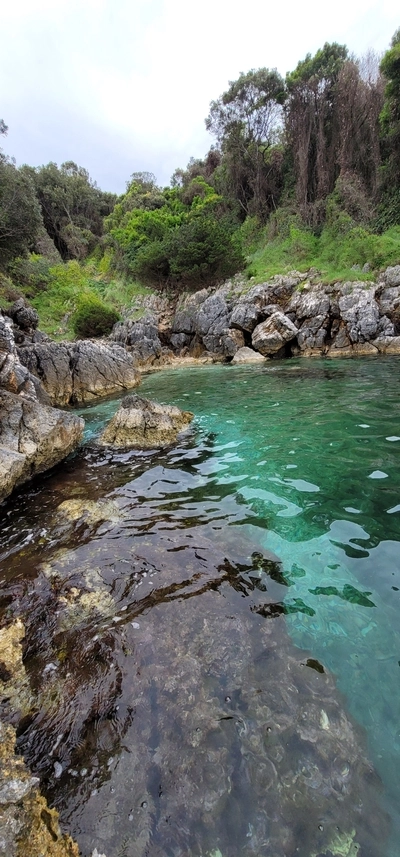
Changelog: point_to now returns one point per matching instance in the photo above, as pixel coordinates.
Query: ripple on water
(158, 620)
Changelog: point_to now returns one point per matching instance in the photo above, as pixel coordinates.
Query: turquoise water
(312, 451)
(265, 542)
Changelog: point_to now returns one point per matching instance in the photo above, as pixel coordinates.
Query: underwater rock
(28, 827)
(142, 423)
(15, 693)
(88, 511)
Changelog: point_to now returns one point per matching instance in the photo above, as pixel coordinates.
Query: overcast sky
(125, 85)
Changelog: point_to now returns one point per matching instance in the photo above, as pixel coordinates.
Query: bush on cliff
(93, 318)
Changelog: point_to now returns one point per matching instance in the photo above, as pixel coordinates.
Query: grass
(65, 286)
(333, 256)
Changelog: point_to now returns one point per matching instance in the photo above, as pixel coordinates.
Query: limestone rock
(387, 345)
(33, 438)
(145, 424)
(213, 316)
(360, 311)
(140, 337)
(271, 335)
(28, 827)
(392, 276)
(246, 315)
(312, 333)
(78, 372)
(23, 315)
(247, 355)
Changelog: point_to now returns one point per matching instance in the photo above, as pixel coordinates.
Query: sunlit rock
(271, 335)
(247, 355)
(144, 424)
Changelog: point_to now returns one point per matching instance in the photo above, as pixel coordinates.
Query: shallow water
(216, 640)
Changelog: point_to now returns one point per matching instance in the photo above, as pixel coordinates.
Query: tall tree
(390, 133)
(20, 217)
(311, 124)
(246, 120)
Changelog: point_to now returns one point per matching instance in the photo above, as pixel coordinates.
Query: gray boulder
(247, 355)
(23, 316)
(213, 316)
(360, 312)
(33, 438)
(78, 372)
(271, 335)
(144, 424)
(392, 276)
(312, 333)
(140, 337)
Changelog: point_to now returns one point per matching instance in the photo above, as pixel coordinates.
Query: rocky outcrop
(33, 435)
(271, 335)
(292, 314)
(33, 438)
(28, 827)
(74, 373)
(140, 338)
(144, 424)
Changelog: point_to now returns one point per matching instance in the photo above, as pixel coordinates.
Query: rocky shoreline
(291, 315)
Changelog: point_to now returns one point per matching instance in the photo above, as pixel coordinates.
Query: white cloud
(122, 85)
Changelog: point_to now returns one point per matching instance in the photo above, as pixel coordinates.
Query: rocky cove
(110, 665)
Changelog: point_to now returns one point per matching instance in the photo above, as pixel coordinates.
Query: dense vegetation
(305, 171)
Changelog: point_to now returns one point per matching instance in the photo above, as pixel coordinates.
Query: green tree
(311, 125)
(246, 120)
(73, 207)
(390, 136)
(20, 217)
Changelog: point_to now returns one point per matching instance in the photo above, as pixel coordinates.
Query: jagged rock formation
(33, 435)
(74, 373)
(293, 314)
(144, 424)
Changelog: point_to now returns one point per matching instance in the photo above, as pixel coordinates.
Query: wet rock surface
(144, 424)
(170, 712)
(79, 372)
(28, 827)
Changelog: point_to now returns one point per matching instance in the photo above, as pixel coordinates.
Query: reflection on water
(206, 625)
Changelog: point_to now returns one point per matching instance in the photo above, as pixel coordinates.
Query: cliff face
(33, 435)
(290, 315)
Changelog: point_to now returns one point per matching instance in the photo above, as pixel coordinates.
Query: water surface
(213, 638)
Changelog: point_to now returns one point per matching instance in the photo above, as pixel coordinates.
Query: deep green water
(267, 541)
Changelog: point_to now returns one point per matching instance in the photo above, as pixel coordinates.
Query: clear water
(266, 542)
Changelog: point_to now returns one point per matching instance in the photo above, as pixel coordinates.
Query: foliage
(390, 125)
(245, 120)
(93, 318)
(340, 252)
(20, 217)
(188, 240)
(32, 273)
(73, 207)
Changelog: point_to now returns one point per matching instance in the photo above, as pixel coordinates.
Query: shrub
(93, 318)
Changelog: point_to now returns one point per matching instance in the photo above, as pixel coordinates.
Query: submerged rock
(144, 424)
